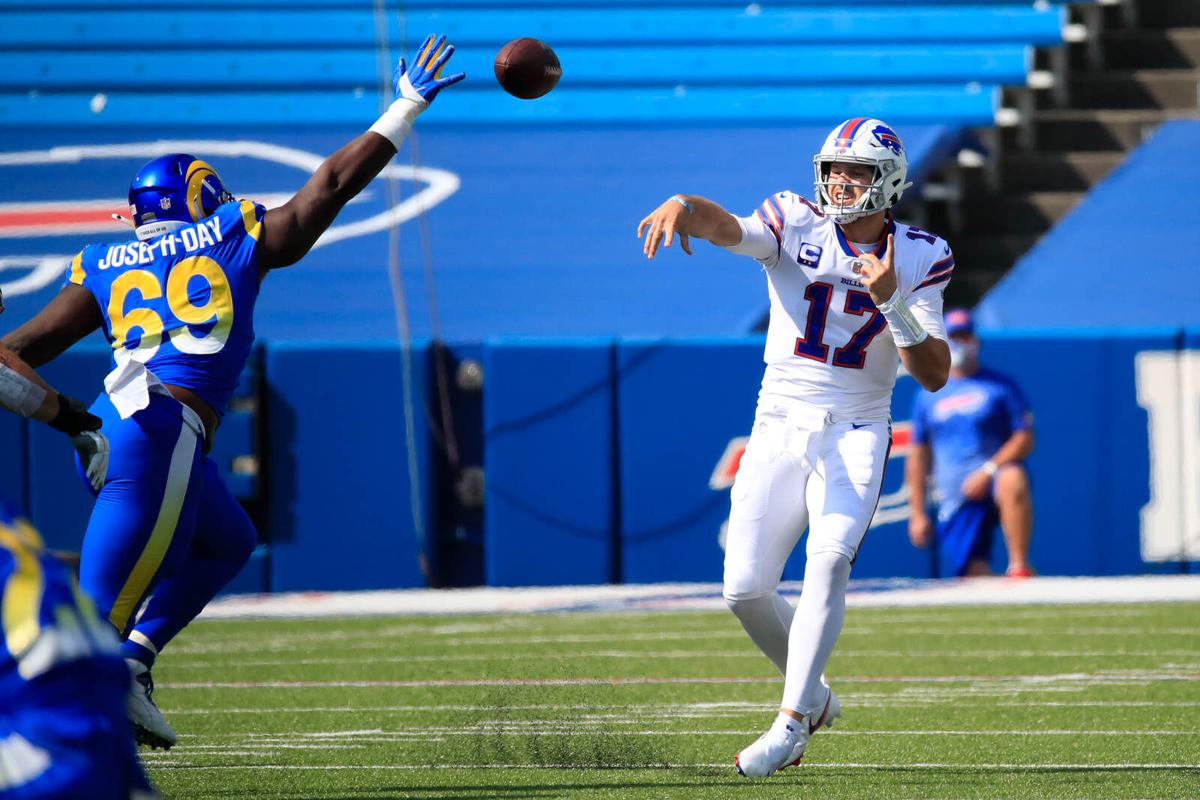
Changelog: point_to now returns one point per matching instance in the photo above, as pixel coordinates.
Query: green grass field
(989, 702)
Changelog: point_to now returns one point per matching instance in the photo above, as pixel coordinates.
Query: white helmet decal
(871, 142)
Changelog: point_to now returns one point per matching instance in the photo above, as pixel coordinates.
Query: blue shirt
(964, 423)
(183, 302)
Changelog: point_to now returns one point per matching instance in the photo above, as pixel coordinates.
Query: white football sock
(768, 620)
(818, 621)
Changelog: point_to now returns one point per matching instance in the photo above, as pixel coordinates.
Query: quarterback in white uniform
(851, 291)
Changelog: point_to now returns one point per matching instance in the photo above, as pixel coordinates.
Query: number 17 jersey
(827, 343)
(182, 303)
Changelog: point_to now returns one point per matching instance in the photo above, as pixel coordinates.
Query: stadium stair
(1139, 67)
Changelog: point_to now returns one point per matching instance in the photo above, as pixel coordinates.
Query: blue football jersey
(47, 622)
(965, 423)
(63, 726)
(182, 303)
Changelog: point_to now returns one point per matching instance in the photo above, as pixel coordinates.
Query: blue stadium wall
(600, 457)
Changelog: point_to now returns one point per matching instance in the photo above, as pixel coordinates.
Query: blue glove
(423, 82)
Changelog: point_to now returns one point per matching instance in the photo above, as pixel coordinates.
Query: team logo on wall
(893, 506)
(39, 235)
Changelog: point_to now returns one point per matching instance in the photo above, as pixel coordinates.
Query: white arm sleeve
(758, 241)
(926, 306)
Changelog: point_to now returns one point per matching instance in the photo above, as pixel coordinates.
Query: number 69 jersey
(827, 344)
(182, 303)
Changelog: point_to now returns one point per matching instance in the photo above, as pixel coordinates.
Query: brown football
(527, 68)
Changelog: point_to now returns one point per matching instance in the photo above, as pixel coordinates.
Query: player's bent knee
(1012, 484)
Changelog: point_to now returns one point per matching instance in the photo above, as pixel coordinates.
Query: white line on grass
(721, 765)
(380, 640)
(676, 710)
(675, 654)
(1119, 677)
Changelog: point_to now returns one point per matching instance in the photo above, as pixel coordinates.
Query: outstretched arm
(688, 215)
(291, 230)
(66, 319)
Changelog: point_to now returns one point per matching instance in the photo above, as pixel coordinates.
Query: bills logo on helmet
(888, 138)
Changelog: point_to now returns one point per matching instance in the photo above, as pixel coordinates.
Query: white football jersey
(827, 344)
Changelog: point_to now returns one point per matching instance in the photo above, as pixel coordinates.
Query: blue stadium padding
(1113, 244)
(912, 104)
(59, 504)
(548, 428)
(775, 65)
(679, 405)
(14, 455)
(1090, 466)
(538, 239)
(332, 28)
(340, 492)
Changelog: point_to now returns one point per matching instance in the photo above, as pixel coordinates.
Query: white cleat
(149, 725)
(783, 745)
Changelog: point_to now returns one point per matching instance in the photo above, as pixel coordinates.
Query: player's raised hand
(662, 224)
(422, 82)
(879, 276)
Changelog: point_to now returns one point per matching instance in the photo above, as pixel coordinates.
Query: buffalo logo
(38, 237)
(893, 503)
(888, 138)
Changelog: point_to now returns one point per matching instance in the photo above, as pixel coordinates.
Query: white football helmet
(862, 141)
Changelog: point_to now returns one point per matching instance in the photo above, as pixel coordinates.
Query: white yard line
(719, 765)
(1116, 676)
(673, 709)
(706, 596)
(674, 654)
(382, 641)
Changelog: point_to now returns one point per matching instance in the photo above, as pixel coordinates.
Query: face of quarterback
(849, 181)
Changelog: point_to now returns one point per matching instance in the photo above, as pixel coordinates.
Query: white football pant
(803, 468)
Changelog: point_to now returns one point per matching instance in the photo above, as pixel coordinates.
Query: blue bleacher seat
(321, 27)
(775, 65)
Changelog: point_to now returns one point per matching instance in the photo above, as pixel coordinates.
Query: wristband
(19, 394)
(906, 331)
(990, 467)
(682, 202)
(73, 418)
(398, 120)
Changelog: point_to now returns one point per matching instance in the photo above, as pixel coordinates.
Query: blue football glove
(423, 82)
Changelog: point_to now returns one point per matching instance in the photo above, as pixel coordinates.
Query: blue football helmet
(174, 190)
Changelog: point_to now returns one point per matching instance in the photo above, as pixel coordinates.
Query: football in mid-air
(527, 68)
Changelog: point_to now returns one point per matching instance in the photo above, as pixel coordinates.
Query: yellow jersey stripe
(19, 610)
(250, 220)
(76, 276)
(178, 477)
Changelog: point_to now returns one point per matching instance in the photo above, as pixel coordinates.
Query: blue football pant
(163, 523)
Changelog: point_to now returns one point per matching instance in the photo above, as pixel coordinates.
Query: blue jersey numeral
(854, 354)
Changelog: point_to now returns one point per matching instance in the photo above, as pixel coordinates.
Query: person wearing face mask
(975, 433)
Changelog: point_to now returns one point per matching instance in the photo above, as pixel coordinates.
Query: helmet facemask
(884, 190)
